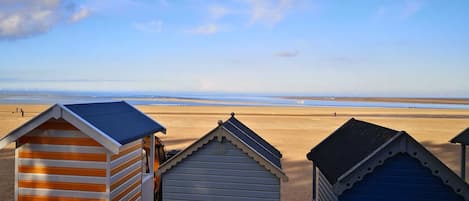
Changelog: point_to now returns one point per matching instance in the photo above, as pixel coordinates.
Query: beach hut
(463, 139)
(363, 161)
(231, 162)
(84, 152)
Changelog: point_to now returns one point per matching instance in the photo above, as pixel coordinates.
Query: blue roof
(119, 120)
(253, 140)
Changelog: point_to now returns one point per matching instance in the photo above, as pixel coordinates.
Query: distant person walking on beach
(22, 112)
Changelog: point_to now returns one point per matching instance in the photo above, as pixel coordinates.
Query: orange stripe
(122, 153)
(63, 186)
(124, 165)
(58, 141)
(126, 191)
(63, 171)
(125, 178)
(48, 198)
(57, 126)
(63, 156)
(136, 196)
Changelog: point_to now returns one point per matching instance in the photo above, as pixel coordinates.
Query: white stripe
(62, 148)
(57, 133)
(124, 185)
(131, 193)
(126, 158)
(62, 178)
(62, 193)
(62, 163)
(124, 172)
(139, 198)
(130, 144)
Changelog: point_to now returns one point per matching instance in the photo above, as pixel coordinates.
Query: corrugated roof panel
(256, 137)
(253, 143)
(118, 120)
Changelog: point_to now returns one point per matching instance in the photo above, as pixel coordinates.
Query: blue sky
(352, 48)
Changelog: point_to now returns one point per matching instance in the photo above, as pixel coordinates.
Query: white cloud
(80, 14)
(269, 12)
(218, 11)
(206, 29)
(287, 53)
(153, 26)
(23, 18)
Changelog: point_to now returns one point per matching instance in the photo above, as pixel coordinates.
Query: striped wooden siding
(126, 172)
(325, 192)
(220, 171)
(58, 162)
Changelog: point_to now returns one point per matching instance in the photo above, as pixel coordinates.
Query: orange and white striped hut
(84, 152)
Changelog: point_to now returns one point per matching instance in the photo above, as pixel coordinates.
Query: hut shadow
(299, 185)
(448, 153)
(7, 169)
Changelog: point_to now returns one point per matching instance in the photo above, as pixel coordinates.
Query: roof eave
(402, 144)
(218, 133)
(52, 112)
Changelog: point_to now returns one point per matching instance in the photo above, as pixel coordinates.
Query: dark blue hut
(363, 161)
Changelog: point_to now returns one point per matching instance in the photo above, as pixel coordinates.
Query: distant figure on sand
(335, 114)
(22, 112)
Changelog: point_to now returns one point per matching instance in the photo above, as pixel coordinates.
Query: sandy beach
(293, 130)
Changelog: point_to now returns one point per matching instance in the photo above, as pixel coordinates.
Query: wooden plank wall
(220, 171)
(126, 173)
(58, 162)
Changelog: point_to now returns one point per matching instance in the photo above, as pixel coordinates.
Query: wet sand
(462, 101)
(293, 130)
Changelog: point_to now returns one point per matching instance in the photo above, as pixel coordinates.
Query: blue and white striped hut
(363, 161)
(231, 162)
(84, 152)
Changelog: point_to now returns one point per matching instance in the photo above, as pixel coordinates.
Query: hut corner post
(463, 162)
(314, 182)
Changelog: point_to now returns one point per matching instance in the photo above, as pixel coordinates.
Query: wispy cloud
(153, 26)
(286, 53)
(218, 11)
(80, 14)
(206, 29)
(23, 18)
(399, 9)
(269, 12)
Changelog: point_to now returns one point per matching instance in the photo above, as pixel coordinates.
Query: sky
(413, 48)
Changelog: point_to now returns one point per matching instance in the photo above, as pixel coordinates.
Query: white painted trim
(130, 144)
(101, 137)
(61, 178)
(52, 112)
(383, 146)
(16, 173)
(125, 158)
(408, 145)
(220, 132)
(62, 148)
(62, 193)
(62, 163)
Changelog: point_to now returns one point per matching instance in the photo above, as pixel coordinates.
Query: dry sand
(293, 130)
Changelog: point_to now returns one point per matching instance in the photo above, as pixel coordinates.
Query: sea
(196, 99)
